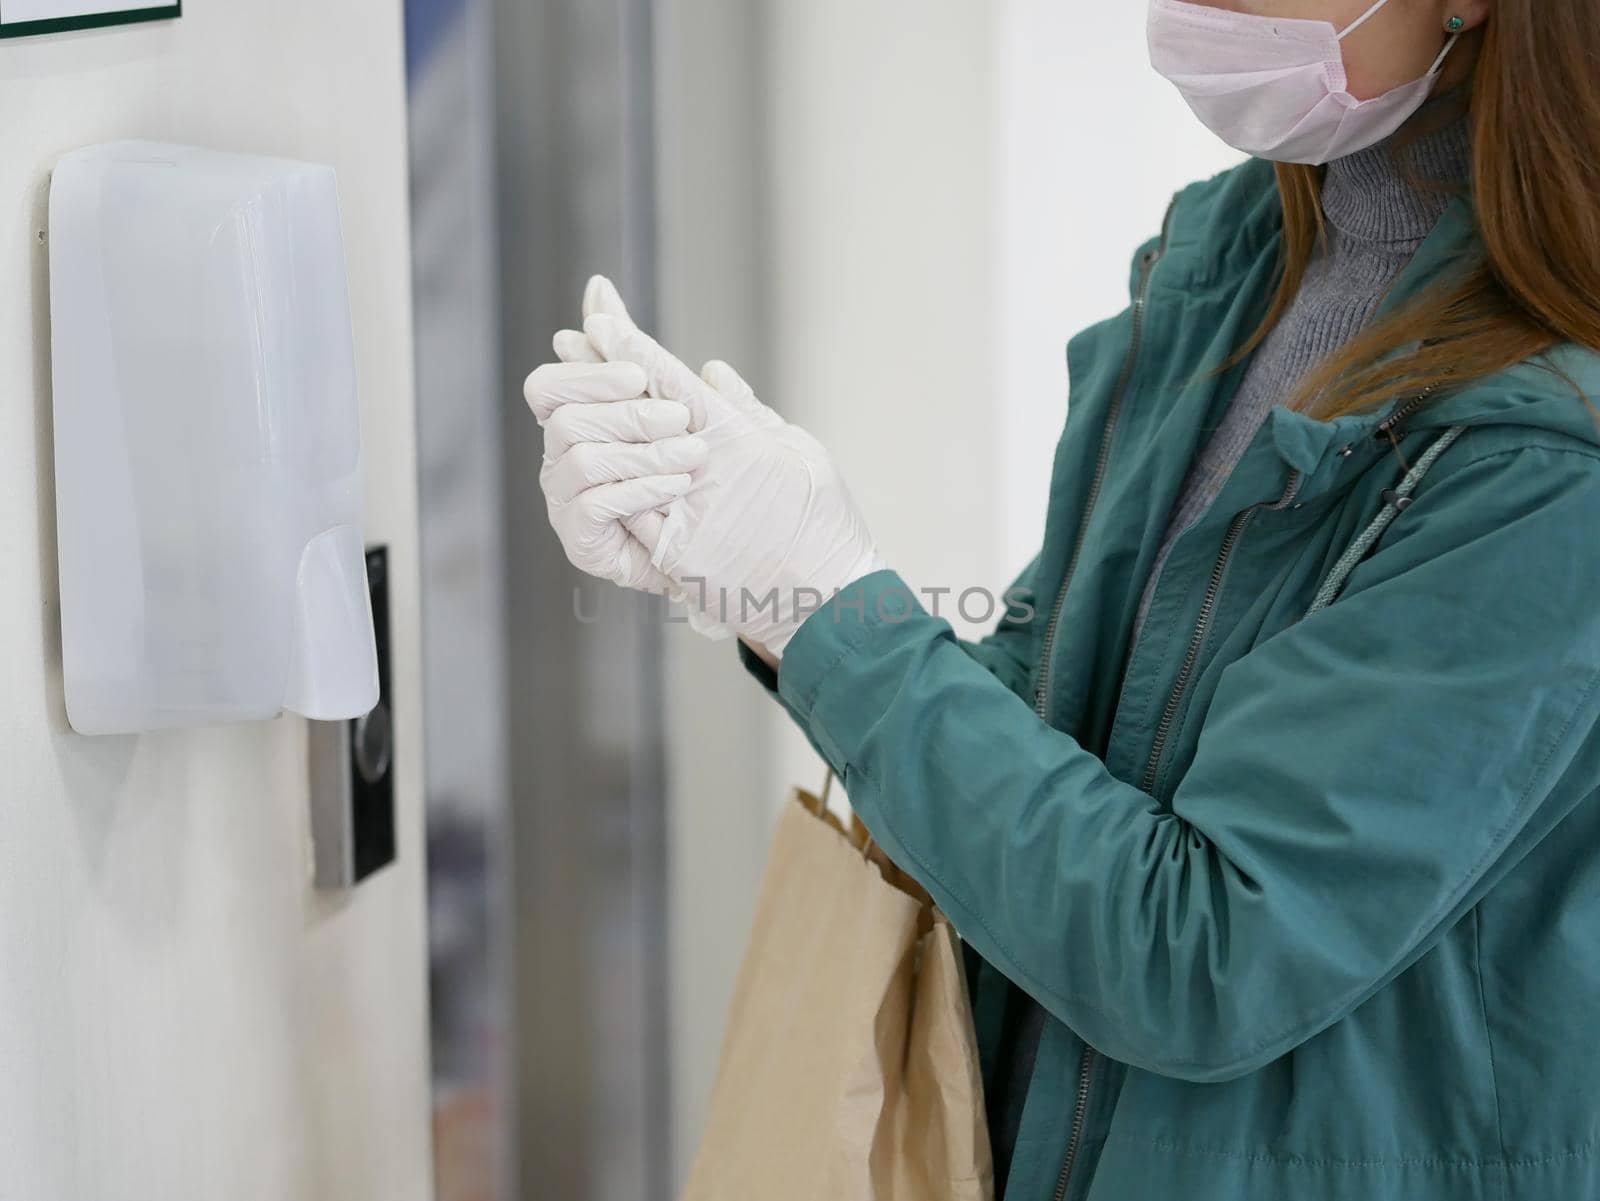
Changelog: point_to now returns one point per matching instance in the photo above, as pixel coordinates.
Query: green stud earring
(1455, 25)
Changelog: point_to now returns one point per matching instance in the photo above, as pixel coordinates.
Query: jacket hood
(1555, 392)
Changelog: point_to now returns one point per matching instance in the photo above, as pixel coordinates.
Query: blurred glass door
(531, 144)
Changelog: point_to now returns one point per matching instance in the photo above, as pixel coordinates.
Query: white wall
(180, 1015)
(882, 278)
(1089, 146)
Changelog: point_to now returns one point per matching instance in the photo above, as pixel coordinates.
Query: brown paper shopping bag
(849, 1069)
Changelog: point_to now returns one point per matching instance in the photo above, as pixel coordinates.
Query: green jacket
(1313, 902)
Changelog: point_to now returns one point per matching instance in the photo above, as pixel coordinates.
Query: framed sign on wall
(19, 18)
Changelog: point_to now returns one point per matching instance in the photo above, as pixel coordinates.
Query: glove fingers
(667, 376)
(608, 552)
(741, 397)
(590, 465)
(555, 384)
(634, 569)
(601, 296)
(642, 420)
(725, 379)
(646, 528)
(669, 540)
(608, 504)
(572, 346)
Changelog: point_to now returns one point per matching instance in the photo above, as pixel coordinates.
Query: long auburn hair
(1534, 106)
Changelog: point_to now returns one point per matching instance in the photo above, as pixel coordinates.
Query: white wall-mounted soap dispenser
(207, 441)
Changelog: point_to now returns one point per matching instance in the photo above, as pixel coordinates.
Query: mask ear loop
(1444, 52)
(1363, 19)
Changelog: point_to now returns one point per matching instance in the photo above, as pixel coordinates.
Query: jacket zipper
(1202, 625)
(1381, 430)
(1102, 461)
(1169, 714)
(1041, 703)
(1080, 1110)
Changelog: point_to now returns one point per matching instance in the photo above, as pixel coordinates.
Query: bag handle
(867, 847)
(858, 833)
(1396, 501)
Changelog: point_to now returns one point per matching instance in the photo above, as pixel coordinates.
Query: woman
(1270, 811)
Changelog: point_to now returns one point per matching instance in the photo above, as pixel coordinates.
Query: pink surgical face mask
(1276, 88)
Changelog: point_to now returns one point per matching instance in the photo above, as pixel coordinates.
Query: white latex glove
(573, 346)
(768, 531)
(611, 454)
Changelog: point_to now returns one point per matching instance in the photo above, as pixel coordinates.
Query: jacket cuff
(875, 612)
(768, 679)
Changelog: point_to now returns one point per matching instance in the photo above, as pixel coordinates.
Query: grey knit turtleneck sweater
(1377, 217)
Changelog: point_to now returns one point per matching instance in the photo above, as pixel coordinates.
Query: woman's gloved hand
(768, 531)
(610, 454)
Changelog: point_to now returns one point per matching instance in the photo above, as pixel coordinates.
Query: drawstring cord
(1396, 501)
